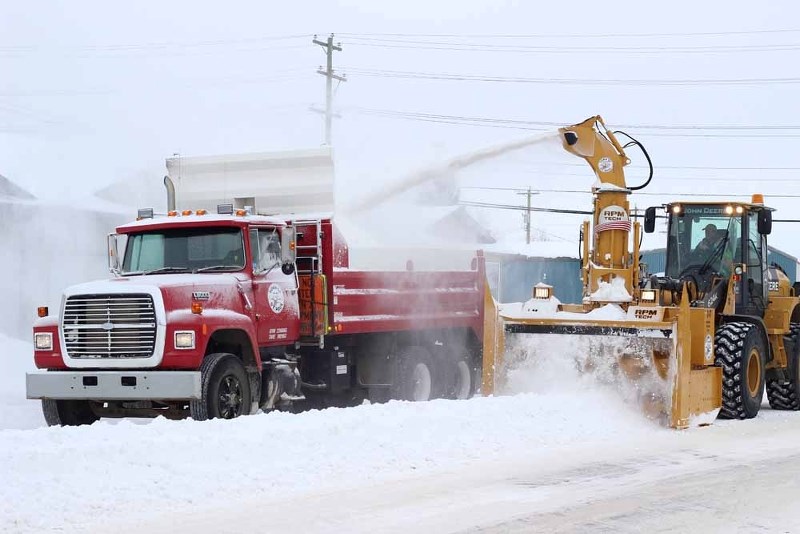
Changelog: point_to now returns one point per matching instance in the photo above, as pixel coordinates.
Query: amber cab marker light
(200, 212)
(186, 212)
(42, 311)
(197, 308)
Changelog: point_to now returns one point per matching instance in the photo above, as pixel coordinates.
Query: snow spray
(434, 172)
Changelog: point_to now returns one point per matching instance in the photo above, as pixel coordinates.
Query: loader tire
(741, 354)
(414, 378)
(785, 395)
(225, 389)
(68, 412)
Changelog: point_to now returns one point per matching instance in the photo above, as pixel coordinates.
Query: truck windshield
(703, 239)
(177, 250)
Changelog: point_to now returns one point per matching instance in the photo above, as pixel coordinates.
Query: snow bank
(166, 466)
(16, 411)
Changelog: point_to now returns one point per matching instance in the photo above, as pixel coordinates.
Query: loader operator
(707, 245)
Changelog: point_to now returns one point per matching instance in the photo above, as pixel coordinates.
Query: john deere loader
(704, 340)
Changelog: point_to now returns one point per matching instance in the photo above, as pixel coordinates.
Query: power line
(561, 124)
(161, 45)
(511, 124)
(538, 49)
(638, 193)
(575, 35)
(417, 75)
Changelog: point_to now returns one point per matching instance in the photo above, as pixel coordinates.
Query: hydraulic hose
(646, 155)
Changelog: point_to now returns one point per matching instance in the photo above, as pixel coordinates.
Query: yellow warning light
(200, 212)
(758, 198)
(241, 213)
(186, 212)
(172, 213)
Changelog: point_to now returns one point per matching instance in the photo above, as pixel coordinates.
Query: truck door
(275, 293)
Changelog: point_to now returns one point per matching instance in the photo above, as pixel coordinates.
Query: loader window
(702, 238)
(185, 249)
(756, 262)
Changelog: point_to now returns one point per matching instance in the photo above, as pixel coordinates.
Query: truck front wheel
(68, 412)
(225, 389)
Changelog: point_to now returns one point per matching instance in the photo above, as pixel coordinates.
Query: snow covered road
(725, 478)
(567, 457)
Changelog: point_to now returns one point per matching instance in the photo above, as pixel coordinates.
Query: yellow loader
(702, 341)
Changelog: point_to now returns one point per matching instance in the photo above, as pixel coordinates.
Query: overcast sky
(93, 92)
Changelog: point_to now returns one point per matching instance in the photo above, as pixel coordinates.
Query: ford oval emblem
(107, 326)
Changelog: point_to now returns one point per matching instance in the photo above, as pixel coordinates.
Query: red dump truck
(219, 313)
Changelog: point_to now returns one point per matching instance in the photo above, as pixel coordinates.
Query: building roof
(11, 190)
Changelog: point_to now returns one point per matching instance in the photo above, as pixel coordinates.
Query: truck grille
(109, 326)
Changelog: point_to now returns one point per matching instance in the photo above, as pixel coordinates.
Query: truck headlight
(43, 340)
(184, 339)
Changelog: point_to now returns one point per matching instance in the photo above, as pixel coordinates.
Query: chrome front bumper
(113, 385)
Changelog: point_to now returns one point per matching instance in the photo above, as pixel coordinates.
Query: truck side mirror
(764, 222)
(288, 249)
(650, 220)
(114, 261)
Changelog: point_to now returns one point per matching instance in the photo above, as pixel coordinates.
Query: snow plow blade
(666, 366)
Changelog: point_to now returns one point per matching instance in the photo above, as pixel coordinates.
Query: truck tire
(786, 395)
(741, 353)
(225, 389)
(68, 412)
(414, 377)
(459, 377)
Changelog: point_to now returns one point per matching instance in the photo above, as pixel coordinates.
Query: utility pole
(329, 48)
(529, 193)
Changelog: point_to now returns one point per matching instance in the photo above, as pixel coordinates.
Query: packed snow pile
(548, 309)
(168, 466)
(613, 291)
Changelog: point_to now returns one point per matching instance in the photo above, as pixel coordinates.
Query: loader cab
(709, 242)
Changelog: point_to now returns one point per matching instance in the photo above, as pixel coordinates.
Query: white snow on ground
(548, 457)
(17, 411)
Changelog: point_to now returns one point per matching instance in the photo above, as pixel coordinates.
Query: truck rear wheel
(459, 377)
(225, 389)
(741, 353)
(785, 395)
(68, 412)
(414, 378)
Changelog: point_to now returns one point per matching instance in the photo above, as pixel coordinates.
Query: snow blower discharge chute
(704, 340)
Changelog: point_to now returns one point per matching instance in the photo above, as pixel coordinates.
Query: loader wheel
(414, 378)
(225, 389)
(741, 354)
(785, 395)
(68, 412)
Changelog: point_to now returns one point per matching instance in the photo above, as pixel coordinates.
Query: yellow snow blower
(703, 340)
